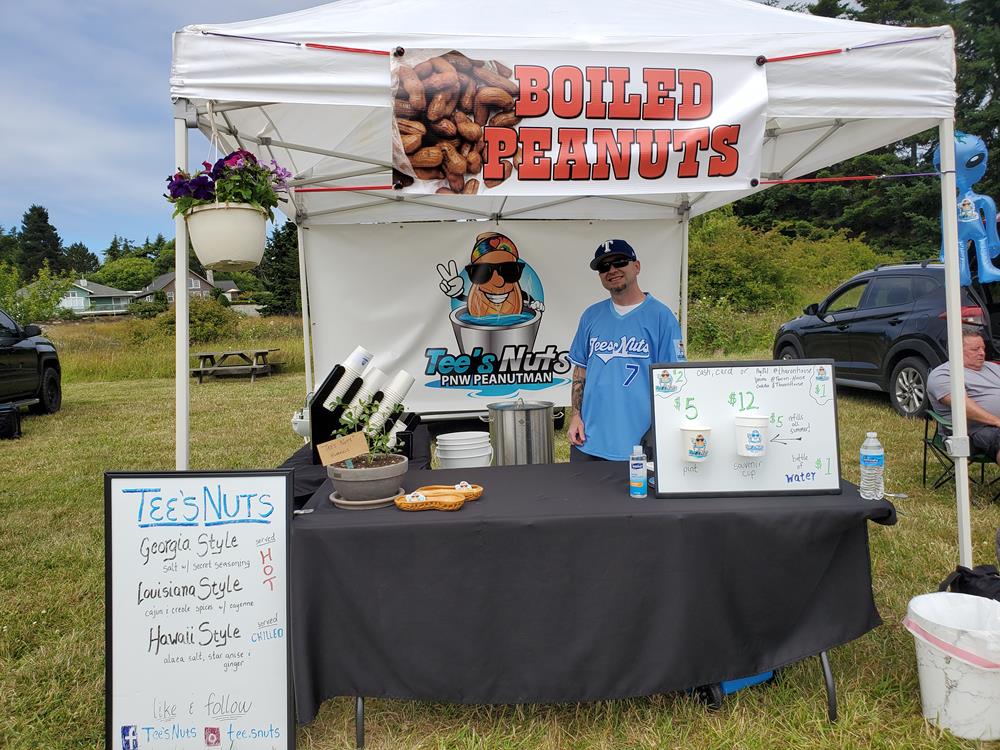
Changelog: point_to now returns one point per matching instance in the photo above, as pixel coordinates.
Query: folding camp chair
(934, 444)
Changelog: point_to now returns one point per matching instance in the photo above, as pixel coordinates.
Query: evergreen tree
(902, 216)
(39, 243)
(10, 251)
(279, 270)
(164, 261)
(829, 8)
(114, 250)
(977, 111)
(80, 260)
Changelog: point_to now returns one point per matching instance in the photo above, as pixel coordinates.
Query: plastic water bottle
(637, 473)
(872, 468)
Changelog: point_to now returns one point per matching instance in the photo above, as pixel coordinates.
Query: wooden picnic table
(233, 362)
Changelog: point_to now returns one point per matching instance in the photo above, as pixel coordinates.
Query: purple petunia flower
(202, 187)
(280, 175)
(178, 186)
(238, 158)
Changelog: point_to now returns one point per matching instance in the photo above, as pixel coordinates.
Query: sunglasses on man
(603, 268)
(480, 273)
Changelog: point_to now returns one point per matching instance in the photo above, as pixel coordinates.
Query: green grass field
(116, 418)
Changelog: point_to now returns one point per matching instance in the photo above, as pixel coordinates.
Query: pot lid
(519, 405)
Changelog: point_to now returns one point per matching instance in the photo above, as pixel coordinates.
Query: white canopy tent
(311, 89)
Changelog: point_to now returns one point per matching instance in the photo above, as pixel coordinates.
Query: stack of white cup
(353, 366)
(392, 395)
(373, 378)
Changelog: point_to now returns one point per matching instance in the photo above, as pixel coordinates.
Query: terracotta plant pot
(227, 236)
(364, 483)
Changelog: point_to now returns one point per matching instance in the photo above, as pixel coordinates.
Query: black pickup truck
(29, 368)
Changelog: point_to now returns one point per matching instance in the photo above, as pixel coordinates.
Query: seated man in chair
(982, 393)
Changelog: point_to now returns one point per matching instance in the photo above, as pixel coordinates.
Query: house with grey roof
(88, 298)
(197, 286)
(229, 288)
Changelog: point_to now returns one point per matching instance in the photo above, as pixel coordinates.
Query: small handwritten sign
(342, 448)
(197, 605)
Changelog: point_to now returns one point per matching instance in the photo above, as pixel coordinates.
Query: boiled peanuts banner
(517, 122)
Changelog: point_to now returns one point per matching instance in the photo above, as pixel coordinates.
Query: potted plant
(378, 474)
(226, 206)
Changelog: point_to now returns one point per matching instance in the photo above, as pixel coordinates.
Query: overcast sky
(86, 128)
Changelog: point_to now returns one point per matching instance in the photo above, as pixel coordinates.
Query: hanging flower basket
(227, 236)
(226, 206)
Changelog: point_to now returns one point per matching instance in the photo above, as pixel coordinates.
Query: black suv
(886, 329)
(29, 368)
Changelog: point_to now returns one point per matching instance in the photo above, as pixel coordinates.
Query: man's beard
(618, 289)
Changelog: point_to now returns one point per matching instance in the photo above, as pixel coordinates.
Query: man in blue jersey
(617, 341)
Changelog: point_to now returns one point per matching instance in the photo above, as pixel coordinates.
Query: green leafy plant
(235, 178)
(358, 420)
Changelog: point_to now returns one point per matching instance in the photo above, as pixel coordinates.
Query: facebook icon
(130, 740)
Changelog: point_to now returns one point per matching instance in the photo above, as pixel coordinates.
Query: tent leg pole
(831, 688)
(959, 443)
(181, 375)
(359, 723)
(682, 303)
(306, 320)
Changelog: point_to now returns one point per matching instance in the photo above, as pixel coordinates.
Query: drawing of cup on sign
(695, 443)
(751, 436)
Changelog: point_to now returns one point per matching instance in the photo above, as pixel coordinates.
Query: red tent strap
(310, 45)
(799, 56)
(337, 48)
(849, 178)
(344, 188)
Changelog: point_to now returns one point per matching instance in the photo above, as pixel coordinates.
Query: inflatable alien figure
(977, 214)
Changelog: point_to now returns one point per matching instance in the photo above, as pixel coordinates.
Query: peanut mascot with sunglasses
(495, 271)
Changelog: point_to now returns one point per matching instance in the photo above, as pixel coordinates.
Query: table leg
(359, 723)
(831, 688)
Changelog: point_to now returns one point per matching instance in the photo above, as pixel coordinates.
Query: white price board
(745, 428)
(197, 602)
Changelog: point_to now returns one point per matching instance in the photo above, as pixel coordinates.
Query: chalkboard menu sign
(197, 603)
(745, 428)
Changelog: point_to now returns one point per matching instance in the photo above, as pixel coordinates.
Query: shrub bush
(147, 308)
(716, 328)
(208, 321)
(730, 263)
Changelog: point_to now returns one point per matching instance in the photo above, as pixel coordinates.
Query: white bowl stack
(459, 450)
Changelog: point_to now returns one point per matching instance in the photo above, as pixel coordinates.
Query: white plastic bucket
(958, 662)
(464, 458)
(463, 439)
(696, 443)
(751, 436)
(227, 236)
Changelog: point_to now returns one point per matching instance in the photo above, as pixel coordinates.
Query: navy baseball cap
(610, 249)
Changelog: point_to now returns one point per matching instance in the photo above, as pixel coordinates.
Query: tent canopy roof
(326, 114)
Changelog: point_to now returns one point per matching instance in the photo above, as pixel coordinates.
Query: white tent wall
(325, 112)
(378, 286)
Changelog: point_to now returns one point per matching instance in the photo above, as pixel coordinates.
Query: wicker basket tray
(418, 500)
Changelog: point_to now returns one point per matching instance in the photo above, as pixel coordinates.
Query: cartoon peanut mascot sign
(497, 305)
(556, 123)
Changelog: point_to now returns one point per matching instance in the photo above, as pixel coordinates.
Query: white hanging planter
(227, 236)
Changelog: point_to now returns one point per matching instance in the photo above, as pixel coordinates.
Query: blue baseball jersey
(617, 351)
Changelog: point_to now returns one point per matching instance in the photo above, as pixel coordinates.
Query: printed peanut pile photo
(441, 106)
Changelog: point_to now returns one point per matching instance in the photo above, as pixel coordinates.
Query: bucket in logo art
(470, 333)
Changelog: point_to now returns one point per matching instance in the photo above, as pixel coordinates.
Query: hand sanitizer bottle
(637, 473)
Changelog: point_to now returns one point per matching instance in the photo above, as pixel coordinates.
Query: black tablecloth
(556, 586)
